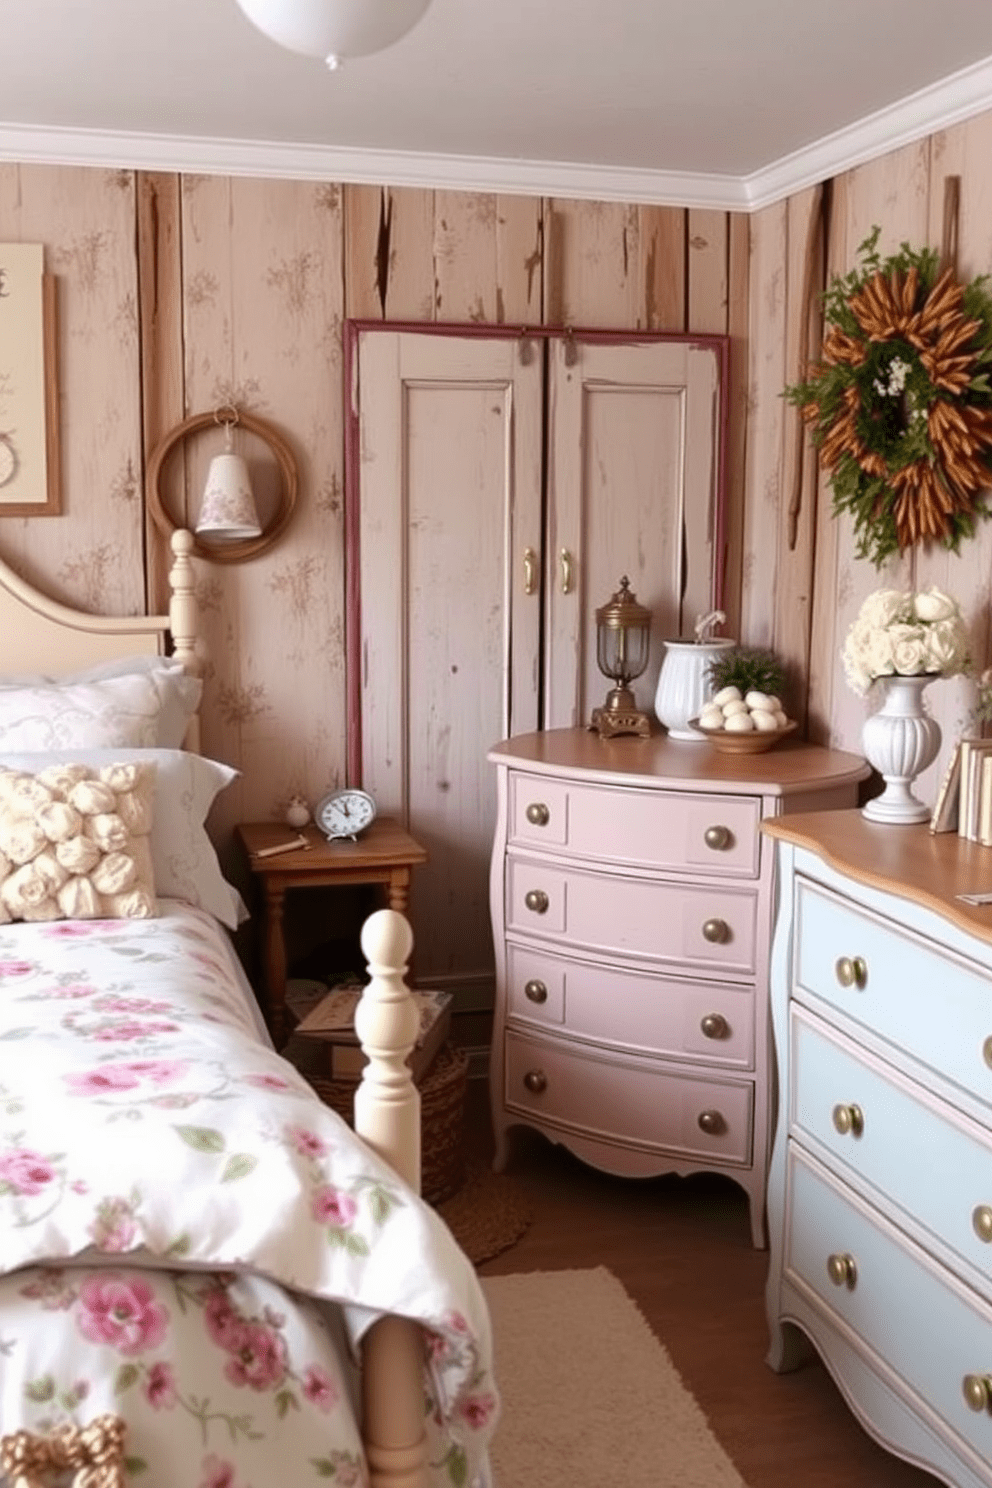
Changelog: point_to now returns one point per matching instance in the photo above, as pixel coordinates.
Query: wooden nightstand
(384, 854)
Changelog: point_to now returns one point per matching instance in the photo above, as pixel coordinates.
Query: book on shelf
(984, 833)
(333, 1022)
(973, 751)
(945, 809)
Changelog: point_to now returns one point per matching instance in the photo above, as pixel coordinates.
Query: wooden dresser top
(789, 767)
(910, 861)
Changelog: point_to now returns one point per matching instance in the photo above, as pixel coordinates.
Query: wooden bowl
(754, 741)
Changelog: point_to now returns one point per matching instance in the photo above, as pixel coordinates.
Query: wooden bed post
(387, 1118)
(183, 617)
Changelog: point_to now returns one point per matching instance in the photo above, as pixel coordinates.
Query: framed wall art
(30, 484)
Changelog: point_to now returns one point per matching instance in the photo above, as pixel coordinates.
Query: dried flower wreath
(900, 405)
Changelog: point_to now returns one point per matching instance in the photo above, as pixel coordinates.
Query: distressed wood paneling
(738, 301)
(593, 274)
(766, 369)
(707, 258)
(92, 554)
(161, 322)
(262, 295)
(663, 268)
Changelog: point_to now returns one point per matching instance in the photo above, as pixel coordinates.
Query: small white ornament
(297, 812)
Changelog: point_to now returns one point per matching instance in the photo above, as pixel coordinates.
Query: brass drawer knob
(981, 1222)
(714, 1026)
(538, 814)
(719, 838)
(987, 1051)
(535, 991)
(712, 1123)
(977, 1391)
(536, 1081)
(842, 1270)
(716, 931)
(851, 971)
(849, 1120)
(537, 900)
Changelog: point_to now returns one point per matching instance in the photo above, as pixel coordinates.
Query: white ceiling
(724, 103)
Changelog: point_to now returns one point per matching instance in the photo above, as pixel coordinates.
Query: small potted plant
(744, 710)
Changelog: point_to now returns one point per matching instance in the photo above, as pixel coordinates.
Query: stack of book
(332, 1024)
(964, 800)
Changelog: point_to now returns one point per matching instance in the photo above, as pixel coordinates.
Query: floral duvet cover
(189, 1238)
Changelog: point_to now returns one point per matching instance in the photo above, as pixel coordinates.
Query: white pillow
(74, 843)
(183, 858)
(132, 703)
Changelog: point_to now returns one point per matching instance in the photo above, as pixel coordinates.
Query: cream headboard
(38, 634)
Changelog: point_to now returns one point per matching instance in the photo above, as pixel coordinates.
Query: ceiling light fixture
(334, 29)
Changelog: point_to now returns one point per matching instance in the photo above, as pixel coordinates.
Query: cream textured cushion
(74, 842)
(183, 856)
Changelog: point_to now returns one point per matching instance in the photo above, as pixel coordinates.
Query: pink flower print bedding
(176, 1198)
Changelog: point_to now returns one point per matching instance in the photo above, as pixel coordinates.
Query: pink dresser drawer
(636, 1011)
(711, 926)
(630, 1103)
(712, 834)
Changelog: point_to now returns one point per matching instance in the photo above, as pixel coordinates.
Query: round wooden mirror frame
(250, 547)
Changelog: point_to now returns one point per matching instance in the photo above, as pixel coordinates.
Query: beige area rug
(591, 1399)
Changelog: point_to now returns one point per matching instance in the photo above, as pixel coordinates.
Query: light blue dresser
(880, 1186)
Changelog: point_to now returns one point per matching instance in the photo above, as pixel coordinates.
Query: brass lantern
(623, 636)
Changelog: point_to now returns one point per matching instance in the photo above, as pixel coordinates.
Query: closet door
(449, 536)
(633, 479)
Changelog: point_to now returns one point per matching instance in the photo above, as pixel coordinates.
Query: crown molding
(951, 101)
(940, 106)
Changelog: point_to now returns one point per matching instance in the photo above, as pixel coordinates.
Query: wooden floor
(682, 1249)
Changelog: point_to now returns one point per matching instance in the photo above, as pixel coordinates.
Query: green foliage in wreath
(900, 406)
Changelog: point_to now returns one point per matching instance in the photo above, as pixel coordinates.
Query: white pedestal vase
(900, 740)
(684, 684)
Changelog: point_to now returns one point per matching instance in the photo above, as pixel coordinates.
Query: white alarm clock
(345, 812)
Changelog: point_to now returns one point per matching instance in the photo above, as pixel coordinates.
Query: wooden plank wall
(802, 598)
(180, 293)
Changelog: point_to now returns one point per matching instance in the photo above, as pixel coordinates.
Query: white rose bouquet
(905, 633)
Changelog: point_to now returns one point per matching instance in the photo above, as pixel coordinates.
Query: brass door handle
(566, 571)
(714, 1026)
(981, 1222)
(851, 971)
(537, 900)
(536, 1081)
(718, 838)
(535, 991)
(849, 1120)
(537, 814)
(530, 570)
(842, 1270)
(977, 1391)
(716, 931)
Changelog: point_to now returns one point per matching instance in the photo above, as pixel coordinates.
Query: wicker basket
(442, 1105)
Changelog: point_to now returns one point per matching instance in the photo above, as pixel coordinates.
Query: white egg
(734, 706)
(763, 721)
(727, 695)
(757, 700)
(781, 718)
(711, 718)
(739, 723)
(774, 704)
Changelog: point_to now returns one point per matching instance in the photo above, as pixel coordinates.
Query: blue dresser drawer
(890, 1288)
(928, 1159)
(934, 1005)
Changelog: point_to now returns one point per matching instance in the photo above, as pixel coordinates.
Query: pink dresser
(632, 898)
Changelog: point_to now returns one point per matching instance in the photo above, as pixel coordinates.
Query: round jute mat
(487, 1214)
